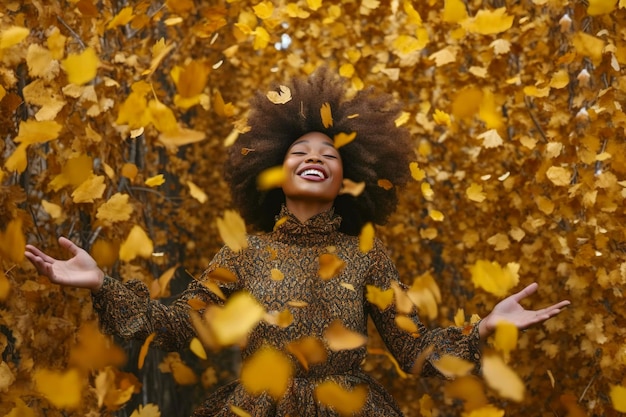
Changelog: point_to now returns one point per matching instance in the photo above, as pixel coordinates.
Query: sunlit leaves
(441, 118)
(559, 176)
(267, 370)
(489, 22)
(282, 96)
(137, 243)
(12, 36)
(81, 68)
(62, 388)
(600, 7)
(501, 378)
(345, 402)
(232, 230)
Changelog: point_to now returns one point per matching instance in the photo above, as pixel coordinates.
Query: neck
(305, 209)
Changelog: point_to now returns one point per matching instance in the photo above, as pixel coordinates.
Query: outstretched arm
(79, 271)
(512, 311)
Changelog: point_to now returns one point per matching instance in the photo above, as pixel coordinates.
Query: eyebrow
(327, 143)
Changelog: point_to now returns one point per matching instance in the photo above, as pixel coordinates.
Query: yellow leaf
(314, 4)
(346, 70)
(406, 44)
(148, 410)
(475, 193)
(560, 79)
(261, 38)
(453, 366)
(271, 178)
(162, 117)
(267, 370)
(600, 7)
(136, 244)
(240, 412)
(618, 398)
(276, 275)
(183, 374)
(345, 402)
(501, 378)
(94, 350)
(366, 238)
(17, 161)
(342, 139)
(381, 299)
(144, 350)
(559, 176)
(384, 183)
(196, 347)
(339, 337)
(427, 191)
(134, 110)
(122, 18)
(105, 253)
(90, 189)
(197, 193)
(232, 230)
(353, 188)
(192, 79)
(263, 10)
(20, 410)
(115, 209)
(505, 338)
(485, 411)
(407, 324)
(155, 181)
(493, 278)
(33, 131)
(181, 136)
(5, 289)
(62, 389)
(444, 56)
(330, 266)
(412, 14)
(223, 275)
(533, 91)
(459, 317)
(489, 22)
(491, 139)
(441, 118)
(114, 388)
(436, 215)
(12, 36)
(282, 96)
(425, 294)
(589, 46)
(229, 325)
(326, 114)
(308, 350)
(454, 11)
(417, 173)
(54, 210)
(282, 319)
(81, 68)
(12, 241)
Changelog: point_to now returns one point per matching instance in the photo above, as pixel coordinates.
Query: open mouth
(312, 174)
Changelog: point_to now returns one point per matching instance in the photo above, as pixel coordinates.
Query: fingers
(69, 245)
(34, 251)
(529, 290)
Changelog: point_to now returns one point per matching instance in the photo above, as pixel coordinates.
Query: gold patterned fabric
(294, 249)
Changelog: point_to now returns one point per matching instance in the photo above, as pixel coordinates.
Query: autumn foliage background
(516, 110)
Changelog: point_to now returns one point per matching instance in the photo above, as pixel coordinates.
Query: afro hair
(380, 151)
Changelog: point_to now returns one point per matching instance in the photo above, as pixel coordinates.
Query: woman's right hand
(79, 271)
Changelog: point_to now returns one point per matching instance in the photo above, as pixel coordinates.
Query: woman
(306, 218)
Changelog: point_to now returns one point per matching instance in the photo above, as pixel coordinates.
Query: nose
(314, 159)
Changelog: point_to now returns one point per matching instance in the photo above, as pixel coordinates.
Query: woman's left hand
(511, 310)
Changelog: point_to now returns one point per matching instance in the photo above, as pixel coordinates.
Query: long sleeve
(126, 310)
(407, 347)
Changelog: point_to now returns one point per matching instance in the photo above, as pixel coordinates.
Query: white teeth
(313, 172)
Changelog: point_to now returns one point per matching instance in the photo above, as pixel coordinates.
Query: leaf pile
(114, 117)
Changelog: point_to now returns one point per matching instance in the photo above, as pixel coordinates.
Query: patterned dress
(294, 249)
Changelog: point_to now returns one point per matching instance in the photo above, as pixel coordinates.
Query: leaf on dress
(330, 266)
(276, 275)
(338, 337)
(268, 370)
(346, 402)
(281, 319)
(308, 350)
(196, 347)
(407, 324)
(366, 238)
(240, 412)
(222, 275)
(380, 298)
(232, 230)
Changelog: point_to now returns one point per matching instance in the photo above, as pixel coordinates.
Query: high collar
(314, 231)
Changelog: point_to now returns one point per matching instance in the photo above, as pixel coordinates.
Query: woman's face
(313, 169)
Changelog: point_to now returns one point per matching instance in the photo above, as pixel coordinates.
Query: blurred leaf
(81, 68)
(137, 243)
(267, 370)
(345, 402)
(338, 337)
(62, 388)
(232, 230)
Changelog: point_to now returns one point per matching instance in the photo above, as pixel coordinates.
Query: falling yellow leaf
(105, 253)
(143, 352)
(444, 56)
(183, 374)
(442, 118)
(17, 161)
(137, 243)
(436, 215)
(5, 289)
(353, 188)
(271, 178)
(81, 68)
(381, 299)
(493, 278)
(122, 18)
(330, 266)
(468, 389)
(196, 347)
(618, 398)
(267, 370)
(115, 209)
(345, 402)
(402, 119)
(385, 184)
(427, 191)
(600, 7)
(489, 22)
(589, 46)
(155, 181)
(13, 241)
(232, 230)
(159, 51)
(308, 351)
(485, 411)
(181, 136)
(559, 176)
(20, 409)
(91, 189)
(33, 131)
(505, 338)
(454, 11)
(366, 238)
(342, 139)
(197, 193)
(162, 117)
(222, 274)
(114, 388)
(62, 388)
(453, 366)
(338, 337)
(475, 193)
(327, 117)
(417, 173)
(282, 96)
(501, 378)
(425, 294)
(148, 410)
(12, 36)
(94, 350)
(282, 319)
(407, 324)
(54, 210)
